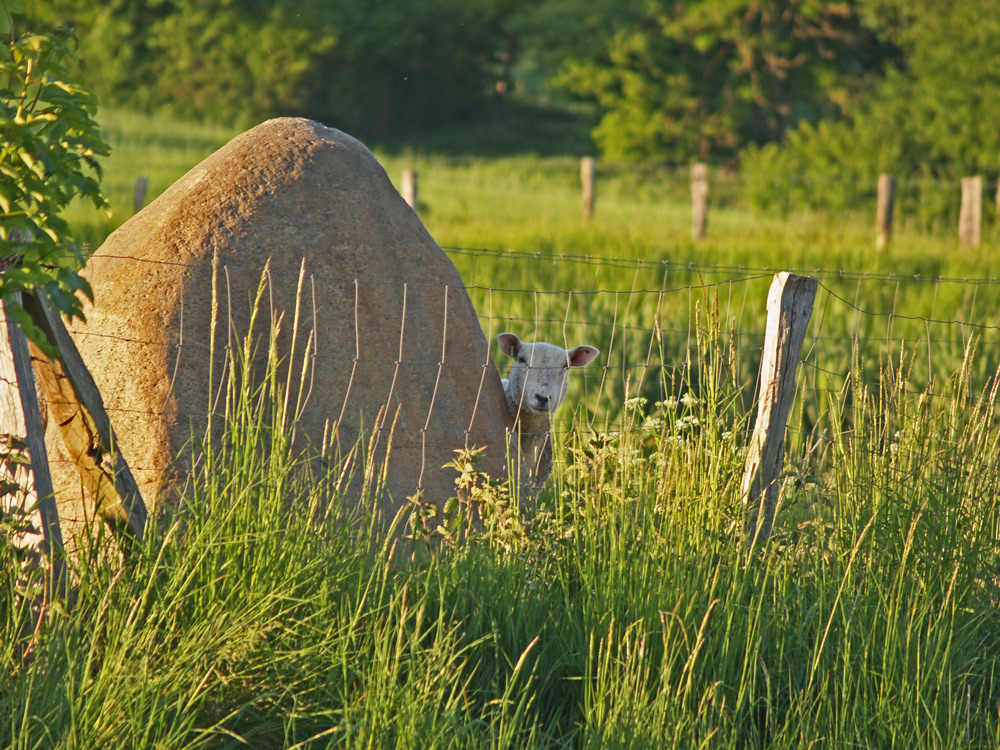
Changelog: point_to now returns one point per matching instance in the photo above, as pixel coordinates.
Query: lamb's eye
(522, 360)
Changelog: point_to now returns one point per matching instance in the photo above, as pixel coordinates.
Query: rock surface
(395, 333)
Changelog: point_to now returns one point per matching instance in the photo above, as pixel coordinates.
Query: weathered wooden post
(25, 483)
(409, 186)
(588, 172)
(998, 197)
(970, 219)
(883, 217)
(139, 198)
(789, 307)
(699, 201)
(77, 407)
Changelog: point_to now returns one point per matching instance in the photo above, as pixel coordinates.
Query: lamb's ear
(581, 355)
(509, 344)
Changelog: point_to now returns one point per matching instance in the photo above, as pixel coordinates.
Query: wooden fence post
(699, 201)
(789, 307)
(883, 217)
(139, 198)
(25, 483)
(409, 186)
(588, 172)
(77, 407)
(970, 219)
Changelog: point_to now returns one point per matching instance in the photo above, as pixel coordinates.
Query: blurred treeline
(819, 91)
(375, 68)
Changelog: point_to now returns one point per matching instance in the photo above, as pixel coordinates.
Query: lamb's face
(539, 377)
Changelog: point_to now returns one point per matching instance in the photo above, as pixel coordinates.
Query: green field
(624, 610)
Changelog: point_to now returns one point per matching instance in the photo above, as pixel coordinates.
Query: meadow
(623, 610)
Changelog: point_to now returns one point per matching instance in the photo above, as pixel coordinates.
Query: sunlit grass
(533, 204)
(151, 146)
(265, 613)
(268, 614)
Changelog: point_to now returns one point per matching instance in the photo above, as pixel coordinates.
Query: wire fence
(925, 203)
(661, 327)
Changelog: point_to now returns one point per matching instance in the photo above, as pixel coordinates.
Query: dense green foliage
(371, 68)
(48, 159)
(208, 59)
(703, 79)
(907, 86)
(934, 119)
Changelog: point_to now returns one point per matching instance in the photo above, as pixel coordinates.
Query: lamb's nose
(543, 401)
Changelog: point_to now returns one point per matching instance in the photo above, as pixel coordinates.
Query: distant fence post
(27, 497)
(587, 174)
(139, 199)
(789, 307)
(998, 196)
(409, 190)
(699, 201)
(970, 219)
(883, 218)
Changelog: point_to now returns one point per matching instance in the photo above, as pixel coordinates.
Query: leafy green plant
(48, 159)
(479, 501)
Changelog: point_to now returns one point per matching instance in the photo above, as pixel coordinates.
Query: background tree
(371, 68)
(937, 117)
(208, 59)
(702, 79)
(401, 66)
(550, 32)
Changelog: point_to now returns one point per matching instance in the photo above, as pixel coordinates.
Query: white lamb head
(538, 380)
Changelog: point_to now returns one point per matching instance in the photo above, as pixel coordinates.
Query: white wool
(535, 387)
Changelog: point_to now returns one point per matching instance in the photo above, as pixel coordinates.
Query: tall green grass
(267, 612)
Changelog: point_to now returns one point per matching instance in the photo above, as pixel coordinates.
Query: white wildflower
(653, 424)
(636, 403)
(686, 422)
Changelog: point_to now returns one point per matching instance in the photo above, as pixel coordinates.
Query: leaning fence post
(139, 197)
(587, 174)
(789, 307)
(883, 218)
(77, 407)
(699, 201)
(26, 495)
(970, 219)
(409, 187)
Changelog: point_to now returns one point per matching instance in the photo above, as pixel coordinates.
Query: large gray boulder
(396, 335)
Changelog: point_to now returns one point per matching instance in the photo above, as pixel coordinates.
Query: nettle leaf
(47, 161)
(16, 280)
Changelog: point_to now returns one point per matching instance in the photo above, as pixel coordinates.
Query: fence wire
(663, 329)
